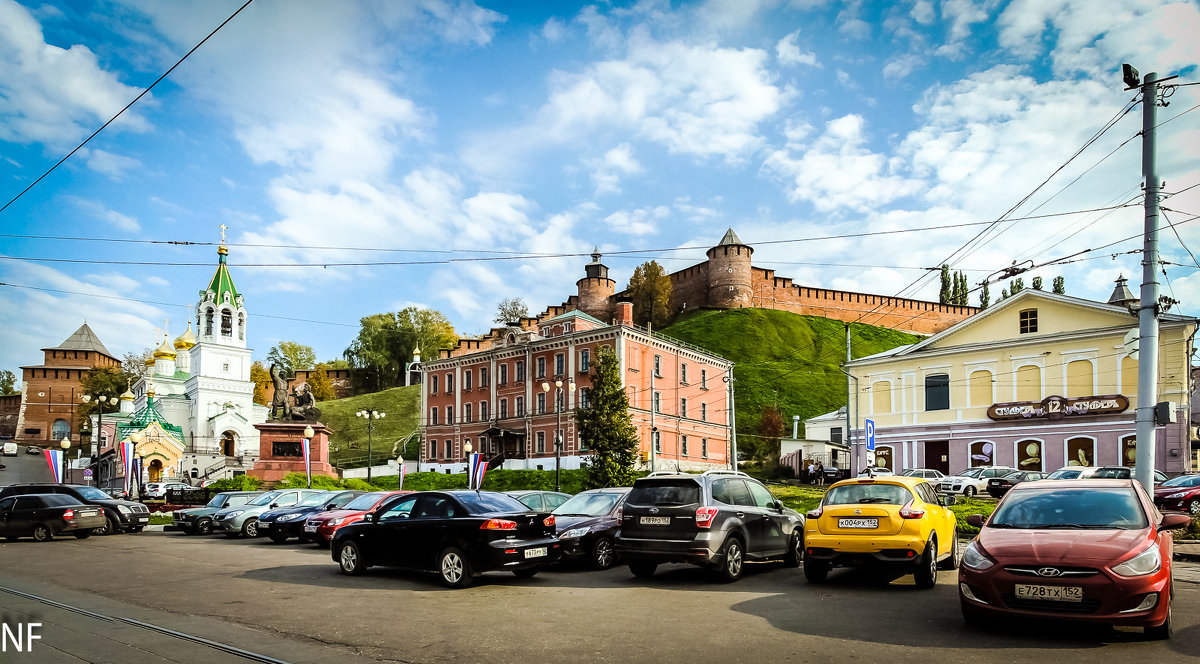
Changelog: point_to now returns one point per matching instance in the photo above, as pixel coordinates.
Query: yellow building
(1037, 382)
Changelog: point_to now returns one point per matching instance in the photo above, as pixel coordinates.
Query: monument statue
(279, 402)
(304, 405)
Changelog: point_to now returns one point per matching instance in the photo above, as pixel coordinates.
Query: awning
(501, 433)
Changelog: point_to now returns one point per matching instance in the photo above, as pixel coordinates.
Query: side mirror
(369, 517)
(975, 520)
(778, 506)
(274, 505)
(331, 506)
(1173, 521)
(947, 501)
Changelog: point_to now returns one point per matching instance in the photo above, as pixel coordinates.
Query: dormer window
(1028, 321)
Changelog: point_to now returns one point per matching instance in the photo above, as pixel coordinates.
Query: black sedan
(284, 522)
(998, 486)
(44, 515)
(588, 523)
(457, 534)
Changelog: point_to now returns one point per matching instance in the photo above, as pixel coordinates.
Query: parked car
(160, 489)
(199, 520)
(895, 522)
(33, 449)
(541, 501)
(875, 471)
(287, 522)
(121, 515)
(321, 526)
(927, 473)
(242, 520)
(1180, 493)
(9, 449)
(457, 534)
(972, 480)
(719, 519)
(1088, 550)
(998, 486)
(587, 525)
(1103, 472)
(44, 515)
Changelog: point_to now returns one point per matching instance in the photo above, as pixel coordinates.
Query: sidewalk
(1188, 550)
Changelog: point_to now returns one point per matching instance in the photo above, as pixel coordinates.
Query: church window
(208, 322)
(226, 323)
(241, 326)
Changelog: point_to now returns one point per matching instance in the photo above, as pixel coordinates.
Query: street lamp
(370, 416)
(558, 435)
(408, 367)
(136, 439)
(467, 453)
(101, 401)
(308, 434)
(66, 443)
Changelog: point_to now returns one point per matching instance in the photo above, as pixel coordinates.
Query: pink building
(498, 393)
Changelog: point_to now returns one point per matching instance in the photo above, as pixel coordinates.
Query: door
(387, 542)
(21, 518)
(428, 529)
(733, 492)
(6, 507)
(777, 526)
(937, 455)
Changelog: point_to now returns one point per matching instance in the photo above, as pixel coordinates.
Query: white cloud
(696, 213)
(641, 221)
(902, 65)
(554, 30)
(789, 53)
(109, 163)
(923, 12)
(615, 164)
(962, 14)
(102, 213)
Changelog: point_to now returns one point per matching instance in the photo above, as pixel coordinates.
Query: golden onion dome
(149, 361)
(128, 395)
(164, 350)
(186, 340)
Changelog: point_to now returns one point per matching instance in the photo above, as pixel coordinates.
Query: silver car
(242, 520)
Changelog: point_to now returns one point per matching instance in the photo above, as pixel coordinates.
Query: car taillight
(69, 514)
(815, 514)
(907, 512)
(548, 521)
(498, 524)
(620, 513)
(705, 516)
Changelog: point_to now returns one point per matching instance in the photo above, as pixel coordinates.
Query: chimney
(624, 313)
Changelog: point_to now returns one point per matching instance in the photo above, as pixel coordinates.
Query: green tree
(770, 430)
(1060, 286)
(606, 426)
(985, 296)
(292, 357)
(1004, 295)
(650, 290)
(8, 382)
(261, 379)
(319, 383)
(945, 293)
(1037, 283)
(432, 331)
(962, 290)
(510, 309)
(1016, 286)
(386, 342)
(102, 381)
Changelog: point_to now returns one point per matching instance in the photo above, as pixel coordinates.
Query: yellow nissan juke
(892, 521)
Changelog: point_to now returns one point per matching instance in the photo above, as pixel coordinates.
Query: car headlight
(234, 513)
(336, 522)
(1178, 494)
(289, 517)
(975, 559)
(574, 533)
(124, 510)
(1146, 562)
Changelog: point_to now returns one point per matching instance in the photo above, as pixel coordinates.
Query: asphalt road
(24, 468)
(290, 602)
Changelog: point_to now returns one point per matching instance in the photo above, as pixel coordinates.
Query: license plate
(858, 523)
(310, 529)
(536, 552)
(1050, 593)
(656, 521)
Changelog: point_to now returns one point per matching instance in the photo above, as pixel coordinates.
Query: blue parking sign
(870, 430)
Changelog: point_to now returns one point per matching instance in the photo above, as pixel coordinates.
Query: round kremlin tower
(596, 289)
(729, 273)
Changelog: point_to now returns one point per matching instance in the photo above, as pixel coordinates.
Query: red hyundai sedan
(320, 527)
(1087, 550)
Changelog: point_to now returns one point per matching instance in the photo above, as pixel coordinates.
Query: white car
(972, 480)
(927, 473)
(877, 471)
(160, 489)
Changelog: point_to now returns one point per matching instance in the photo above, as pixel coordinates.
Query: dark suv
(120, 514)
(719, 520)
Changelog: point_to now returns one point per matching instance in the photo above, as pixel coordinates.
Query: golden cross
(223, 228)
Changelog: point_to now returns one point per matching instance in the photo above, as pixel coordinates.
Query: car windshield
(315, 500)
(264, 499)
(1183, 480)
(1064, 474)
(1117, 508)
(218, 500)
(972, 472)
(92, 493)
(1112, 473)
(364, 502)
(860, 494)
(589, 504)
(59, 499)
(1018, 475)
(664, 493)
(483, 503)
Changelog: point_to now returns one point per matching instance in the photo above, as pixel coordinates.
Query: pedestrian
(811, 468)
(820, 470)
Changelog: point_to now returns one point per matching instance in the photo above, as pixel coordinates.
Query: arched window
(229, 443)
(981, 388)
(1080, 451)
(241, 325)
(1129, 376)
(226, 323)
(208, 322)
(881, 397)
(1079, 379)
(59, 430)
(1029, 383)
(1029, 454)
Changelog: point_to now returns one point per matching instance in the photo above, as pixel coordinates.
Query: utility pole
(653, 406)
(733, 463)
(853, 452)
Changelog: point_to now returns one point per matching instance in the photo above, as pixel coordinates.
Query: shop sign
(1056, 407)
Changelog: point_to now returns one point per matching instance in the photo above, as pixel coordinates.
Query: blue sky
(325, 132)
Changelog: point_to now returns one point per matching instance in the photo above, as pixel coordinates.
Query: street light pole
(370, 416)
(66, 443)
(558, 433)
(470, 475)
(101, 400)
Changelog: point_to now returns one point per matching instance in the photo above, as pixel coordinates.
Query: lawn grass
(348, 444)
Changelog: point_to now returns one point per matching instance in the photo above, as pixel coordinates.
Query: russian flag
(54, 459)
(127, 462)
(478, 468)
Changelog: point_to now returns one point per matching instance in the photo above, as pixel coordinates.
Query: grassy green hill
(782, 358)
(350, 432)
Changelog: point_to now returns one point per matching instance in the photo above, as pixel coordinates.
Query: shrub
(300, 481)
(358, 485)
(237, 483)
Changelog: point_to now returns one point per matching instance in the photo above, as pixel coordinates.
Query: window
(520, 406)
(835, 435)
(541, 443)
(658, 402)
(241, 326)
(704, 379)
(683, 373)
(503, 374)
(657, 435)
(703, 412)
(1027, 319)
(583, 397)
(683, 445)
(703, 448)
(433, 415)
(980, 384)
(449, 414)
(401, 510)
(1079, 378)
(226, 323)
(520, 370)
(560, 364)
(483, 377)
(1029, 383)
(683, 407)
(466, 381)
(658, 366)
(59, 430)
(433, 382)
(881, 397)
(483, 411)
(585, 358)
(541, 367)
(208, 322)
(937, 392)
(466, 412)
(449, 382)
(541, 403)
(225, 367)
(503, 408)
(449, 451)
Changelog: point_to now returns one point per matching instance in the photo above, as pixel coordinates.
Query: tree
(261, 379)
(386, 342)
(1060, 286)
(8, 381)
(1004, 294)
(962, 290)
(292, 357)
(650, 290)
(1016, 286)
(102, 381)
(432, 330)
(1037, 283)
(945, 293)
(134, 364)
(770, 430)
(606, 426)
(985, 296)
(510, 309)
(319, 383)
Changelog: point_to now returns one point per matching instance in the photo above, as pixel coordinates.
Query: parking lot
(290, 602)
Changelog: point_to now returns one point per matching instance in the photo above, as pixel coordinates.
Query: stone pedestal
(280, 450)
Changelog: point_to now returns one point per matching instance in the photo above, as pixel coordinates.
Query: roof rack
(725, 472)
(661, 473)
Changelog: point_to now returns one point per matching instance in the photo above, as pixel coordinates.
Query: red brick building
(50, 394)
(491, 392)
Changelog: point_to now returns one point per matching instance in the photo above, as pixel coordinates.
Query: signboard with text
(1056, 407)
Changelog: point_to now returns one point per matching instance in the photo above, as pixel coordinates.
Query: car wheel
(109, 527)
(926, 573)
(350, 559)
(816, 571)
(733, 559)
(643, 569)
(1159, 632)
(453, 569)
(204, 527)
(969, 491)
(250, 528)
(952, 561)
(795, 552)
(1194, 507)
(42, 534)
(525, 573)
(604, 555)
(83, 534)
(279, 538)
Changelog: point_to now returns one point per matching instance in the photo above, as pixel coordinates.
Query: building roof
(83, 339)
(730, 238)
(145, 417)
(221, 283)
(574, 313)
